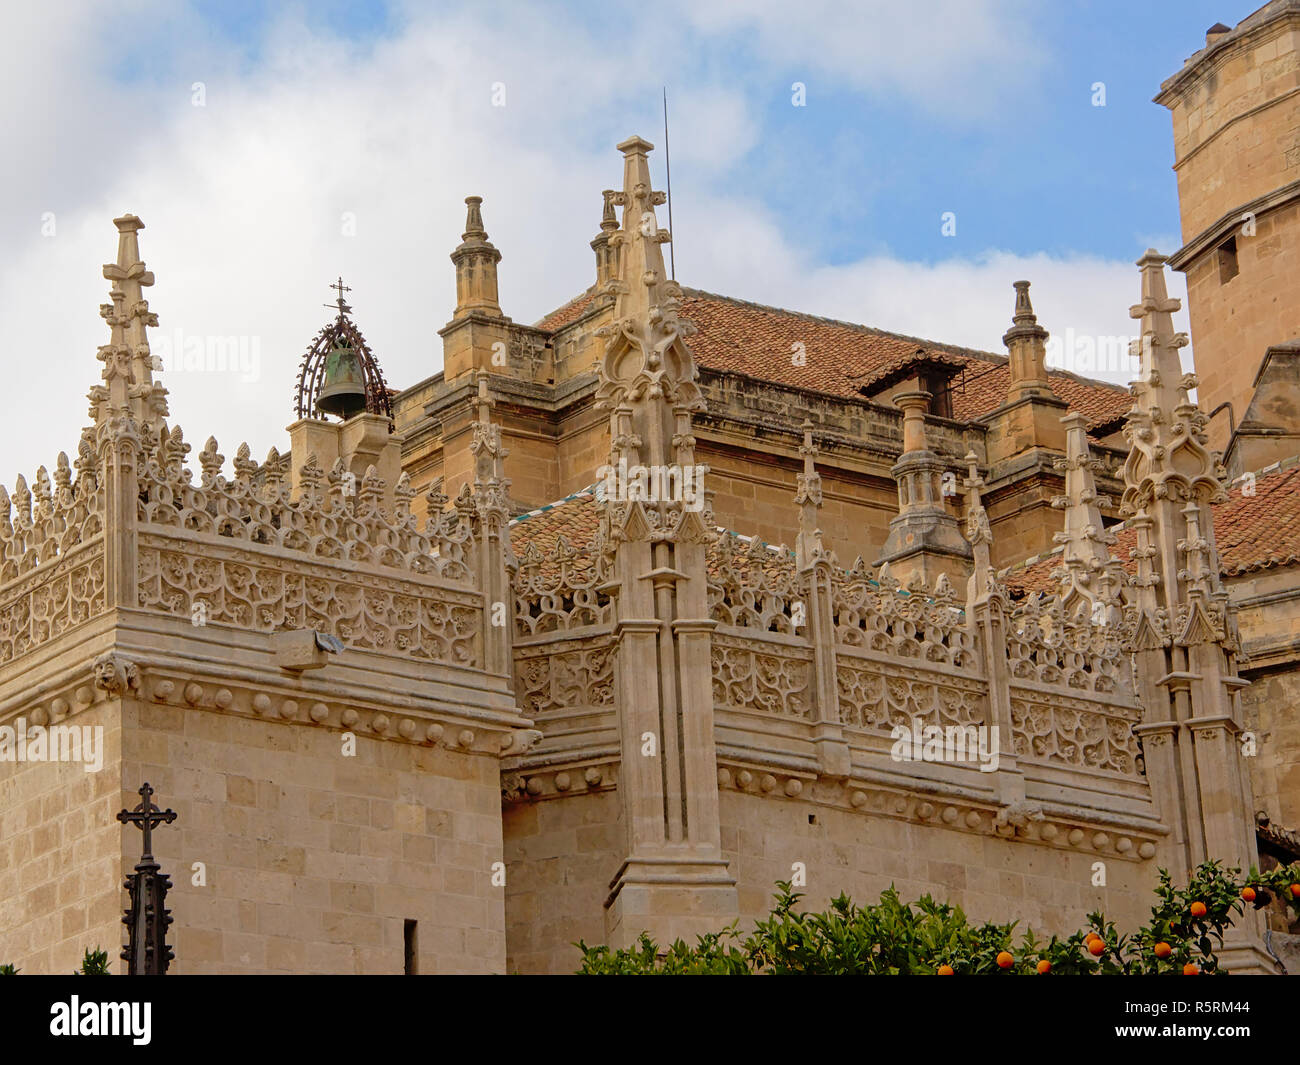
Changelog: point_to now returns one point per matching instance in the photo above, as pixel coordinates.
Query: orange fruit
(1090, 938)
(1044, 967)
(1198, 909)
(1248, 894)
(1163, 950)
(1295, 891)
(1097, 947)
(944, 970)
(1005, 960)
(1190, 969)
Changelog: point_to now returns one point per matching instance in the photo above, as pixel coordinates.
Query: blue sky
(854, 170)
(271, 147)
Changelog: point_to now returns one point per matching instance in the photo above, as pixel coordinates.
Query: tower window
(409, 941)
(1228, 260)
(940, 394)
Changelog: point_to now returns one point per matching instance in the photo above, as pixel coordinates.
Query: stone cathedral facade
(519, 655)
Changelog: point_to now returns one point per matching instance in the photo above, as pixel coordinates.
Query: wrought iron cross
(145, 816)
(341, 288)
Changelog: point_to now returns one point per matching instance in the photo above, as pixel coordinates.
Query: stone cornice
(1212, 235)
(1103, 834)
(1210, 58)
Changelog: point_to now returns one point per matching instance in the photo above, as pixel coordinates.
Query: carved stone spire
(476, 265)
(978, 535)
(1026, 343)
(491, 486)
(1171, 477)
(606, 252)
(128, 365)
(1182, 627)
(816, 614)
(646, 381)
(1088, 572)
(809, 548)
(489, 511)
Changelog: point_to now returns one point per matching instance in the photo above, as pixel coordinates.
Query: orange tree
(927, 937)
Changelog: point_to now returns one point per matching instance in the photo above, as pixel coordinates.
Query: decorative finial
(1026, 343)
(1088, 571)
(474, 219)
(608, 219)
(476, 265)
(128, 364)
(809, 548)
(1024, 311)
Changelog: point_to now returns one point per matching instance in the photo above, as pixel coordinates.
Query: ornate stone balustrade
(875, 615)
(560, 591)
(1072, 699)
(564, 675)
(335, 517)
(243, 552)
(763, 676)
(52, 598)
(52, 567)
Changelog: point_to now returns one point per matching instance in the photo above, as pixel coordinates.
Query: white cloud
(1083, 301)
(243, 200)
(954, 57)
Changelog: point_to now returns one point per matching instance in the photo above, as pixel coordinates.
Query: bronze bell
(343, 391)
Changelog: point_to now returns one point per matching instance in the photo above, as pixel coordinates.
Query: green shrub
(94, 963)
(897, 938)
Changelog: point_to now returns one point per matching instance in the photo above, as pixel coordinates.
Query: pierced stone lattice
(754, 589)
(563, 675)
(560, 591)
(874, 615)
(335, 518)
(771, 680)
(1075, 733)
(1049, 645)
(51, 569)
(872, 698)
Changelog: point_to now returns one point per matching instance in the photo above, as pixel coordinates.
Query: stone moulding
(422, 726)
(498, 735)
(1059, 827)
(559, 780)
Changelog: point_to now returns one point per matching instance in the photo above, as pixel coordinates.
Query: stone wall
(561, 855)
(314, 860)
(1042, 887)
(1235, 320)
(61, 855)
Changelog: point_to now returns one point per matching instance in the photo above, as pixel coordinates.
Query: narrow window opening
(410, 939)
(1228, 268)
(940, 395)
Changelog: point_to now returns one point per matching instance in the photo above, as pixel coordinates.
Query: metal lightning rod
(668, 167)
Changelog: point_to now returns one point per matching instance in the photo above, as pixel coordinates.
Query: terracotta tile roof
(573, 519)
(1253, 532)
(759, 341)
(570, 312)
(1261, 531)
(1278, 838)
